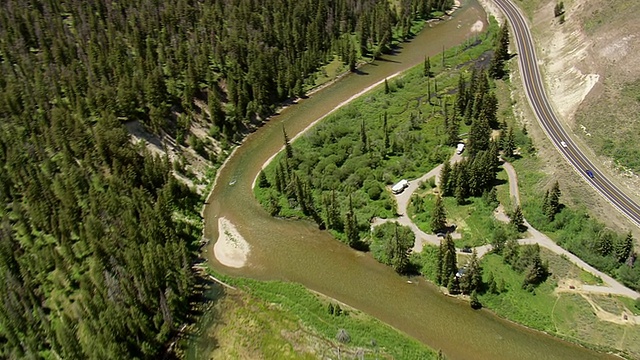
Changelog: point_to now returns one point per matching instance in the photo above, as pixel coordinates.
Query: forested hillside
(96, 235)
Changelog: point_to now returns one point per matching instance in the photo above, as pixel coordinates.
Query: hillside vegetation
(593, 76)
(97, 236)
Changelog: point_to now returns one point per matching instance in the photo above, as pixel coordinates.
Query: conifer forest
(97, 237)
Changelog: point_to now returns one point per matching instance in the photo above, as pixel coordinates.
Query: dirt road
(535, 236)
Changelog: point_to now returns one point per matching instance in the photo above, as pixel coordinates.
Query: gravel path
(535, 237)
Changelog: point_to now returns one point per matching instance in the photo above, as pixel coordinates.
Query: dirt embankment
(592, 77)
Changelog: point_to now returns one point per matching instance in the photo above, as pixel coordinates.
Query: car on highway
(589, 173)
(564, 144)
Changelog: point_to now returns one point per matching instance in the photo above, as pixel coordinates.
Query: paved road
(539, 102)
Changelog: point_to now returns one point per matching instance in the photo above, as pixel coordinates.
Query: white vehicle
(400, 186)
(460, 148)
(564, 144)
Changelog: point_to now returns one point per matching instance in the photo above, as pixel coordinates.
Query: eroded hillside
(592, 74)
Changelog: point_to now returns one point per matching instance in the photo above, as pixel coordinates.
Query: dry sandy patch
(231, 249)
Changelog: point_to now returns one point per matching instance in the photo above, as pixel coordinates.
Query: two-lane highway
(534, 88)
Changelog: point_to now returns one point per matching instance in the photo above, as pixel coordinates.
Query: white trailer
(400, 186)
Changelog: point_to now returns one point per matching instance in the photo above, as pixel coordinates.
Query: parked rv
(400, 186)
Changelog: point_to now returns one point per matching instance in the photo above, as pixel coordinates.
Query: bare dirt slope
(592, 73)
(580, 78)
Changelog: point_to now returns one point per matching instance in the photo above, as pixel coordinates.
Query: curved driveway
(612, 286)
(534, 88)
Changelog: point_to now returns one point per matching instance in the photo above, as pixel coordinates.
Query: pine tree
(545, 203)
(278, 179)
(363, 137)
(479, 136)
(427, 67)
(453, 285)
(453, 131)
(263, 182)
(474, 273)
(440, 279)
(501, 53)
(400, 253)
(511, 252)
(473, 300)
(351, 56)
(498, 240)
(623, 248)
(438, 216)
(386, 87)
(509, 145)
(462, 99)
(446, 185)
(461, 191)
(554, 201)
(517, 220)
(287, 144)
(385, 129)
(449, 263)
(605, 243)
(351, 226)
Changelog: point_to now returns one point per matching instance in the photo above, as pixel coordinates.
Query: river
(297, 251)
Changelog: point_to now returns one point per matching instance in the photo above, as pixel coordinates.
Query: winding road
(612, 286)
(535, 90)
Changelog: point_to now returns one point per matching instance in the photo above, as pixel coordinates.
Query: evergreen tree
(453, 285)
(363, 137)
(605, 243)
(462, 99)
(509, 144)
(351, 56)
(517, 220)
(446, 183)
(401, 248)
(440, 279)
(623, 247)
(474, 301)
(498, 240)
(427, 67)
(511, 252)
(287, 144)
(385, 130)
(438, 216)
(461, 191)
(449, 263)
(491, 284)
(554, 201)
(479, 136)
(545, 203)
(536, 272)
(263, 182)
(453, 130)
(501, 53)
(351, 226)
(386, 87)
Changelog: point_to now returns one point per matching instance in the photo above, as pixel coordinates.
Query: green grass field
(277, 320)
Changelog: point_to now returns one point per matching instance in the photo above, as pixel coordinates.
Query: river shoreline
(226, 247)
(297, 252)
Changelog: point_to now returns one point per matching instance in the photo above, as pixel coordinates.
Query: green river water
(297, 251)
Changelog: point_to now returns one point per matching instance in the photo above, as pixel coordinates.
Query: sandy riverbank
(231, 249)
